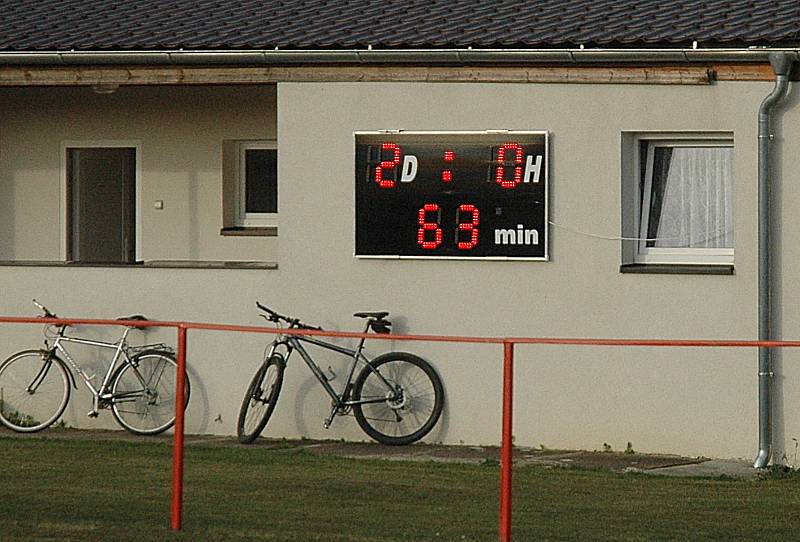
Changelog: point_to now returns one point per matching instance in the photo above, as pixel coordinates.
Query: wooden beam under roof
(147, 75)
(159, 75)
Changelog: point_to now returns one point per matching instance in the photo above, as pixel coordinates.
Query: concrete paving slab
(731, 468)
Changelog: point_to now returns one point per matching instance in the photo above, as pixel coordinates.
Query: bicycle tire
(21, 410)
(394, 421)
(143, 393)
(259, 401)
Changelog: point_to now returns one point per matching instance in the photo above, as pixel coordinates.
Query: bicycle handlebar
(277, 317)
(272, 313)
(47, 313)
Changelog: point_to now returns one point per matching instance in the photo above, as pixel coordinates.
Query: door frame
(64, 204)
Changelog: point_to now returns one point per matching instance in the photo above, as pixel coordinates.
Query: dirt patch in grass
(614, 461)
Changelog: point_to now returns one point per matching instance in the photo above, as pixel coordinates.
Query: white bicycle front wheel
(34, 390)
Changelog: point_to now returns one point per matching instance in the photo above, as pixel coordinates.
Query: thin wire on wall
(615, 237)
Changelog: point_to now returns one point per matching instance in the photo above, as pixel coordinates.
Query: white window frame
(242, 217)
(675, 256)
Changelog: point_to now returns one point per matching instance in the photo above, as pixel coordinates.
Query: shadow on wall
(7, 235)
(301, 398)
(194, 212)
(198, 410)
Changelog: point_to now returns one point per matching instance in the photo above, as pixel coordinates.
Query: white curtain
(697, 204)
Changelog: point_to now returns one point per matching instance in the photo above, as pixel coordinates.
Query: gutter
(782, 66)
(391, 56)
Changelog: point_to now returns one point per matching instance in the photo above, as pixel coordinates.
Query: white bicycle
(138, 386)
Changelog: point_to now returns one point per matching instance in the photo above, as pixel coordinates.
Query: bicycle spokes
(143, 394)
(399, 398)
(34, 390)
(259, 402)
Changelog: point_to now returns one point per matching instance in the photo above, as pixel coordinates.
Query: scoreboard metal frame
(452, 195)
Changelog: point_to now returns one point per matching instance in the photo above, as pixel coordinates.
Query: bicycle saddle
(376, 315)
(134, 317)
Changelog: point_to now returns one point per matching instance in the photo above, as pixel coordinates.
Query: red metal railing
(508, 378)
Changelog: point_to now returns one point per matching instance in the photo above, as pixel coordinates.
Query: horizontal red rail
(508, 349)
(722, 343)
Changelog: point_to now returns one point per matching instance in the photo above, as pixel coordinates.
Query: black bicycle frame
(294, 342)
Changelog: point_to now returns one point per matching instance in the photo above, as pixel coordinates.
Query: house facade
(602, 181)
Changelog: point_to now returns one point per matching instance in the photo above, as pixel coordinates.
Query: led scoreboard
(477, 195)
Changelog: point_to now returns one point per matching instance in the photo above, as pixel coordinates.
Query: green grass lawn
(59, 489)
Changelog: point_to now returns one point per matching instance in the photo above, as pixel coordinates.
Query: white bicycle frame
(121, 357)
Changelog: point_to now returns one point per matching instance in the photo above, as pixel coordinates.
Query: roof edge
(387, 56)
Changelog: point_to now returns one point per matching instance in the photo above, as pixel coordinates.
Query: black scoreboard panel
(451, 195)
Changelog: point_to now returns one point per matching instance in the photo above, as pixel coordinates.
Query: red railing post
(177, 447)
(506, 442)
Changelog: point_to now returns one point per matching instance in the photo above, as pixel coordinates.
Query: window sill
(211, 264)
(241, 231)
(676, 269)
(153, 264)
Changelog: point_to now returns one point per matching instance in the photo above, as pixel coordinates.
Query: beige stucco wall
(179, 134)
(701, 402)
(662, 400)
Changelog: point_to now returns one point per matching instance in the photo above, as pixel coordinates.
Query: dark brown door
(101, 193)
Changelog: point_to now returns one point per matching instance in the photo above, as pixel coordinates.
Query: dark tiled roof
(35, 25)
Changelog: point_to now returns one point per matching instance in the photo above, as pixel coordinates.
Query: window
(256, 187)
(685, 200)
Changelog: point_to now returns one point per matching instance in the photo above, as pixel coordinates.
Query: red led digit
(471, 226)
(426, 226)
(447, 174)
(392, 164)
(500, 172)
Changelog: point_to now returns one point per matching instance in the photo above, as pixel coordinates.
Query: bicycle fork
(39, 378)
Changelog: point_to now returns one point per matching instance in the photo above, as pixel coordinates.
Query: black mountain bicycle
(396, 398)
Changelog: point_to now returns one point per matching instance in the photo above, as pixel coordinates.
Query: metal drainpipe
(782, 65)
